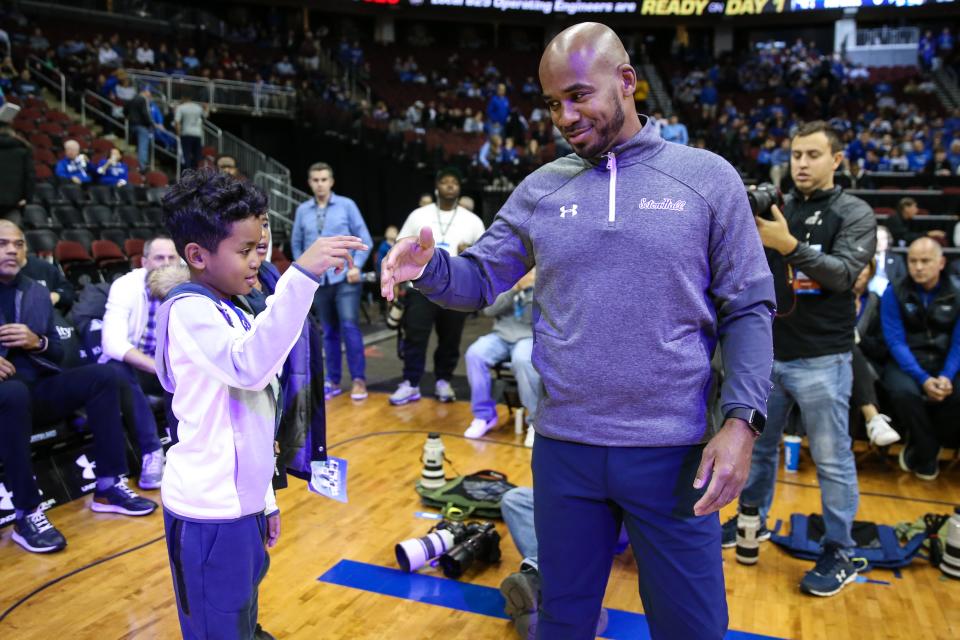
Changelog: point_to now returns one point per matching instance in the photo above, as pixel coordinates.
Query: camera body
(763, 198)
(482, 542)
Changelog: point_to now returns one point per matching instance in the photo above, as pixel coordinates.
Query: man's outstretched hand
(405, 261)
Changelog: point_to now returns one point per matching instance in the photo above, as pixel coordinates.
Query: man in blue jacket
(337, 301)
(658, 243)
(73, 166)
(919, 319)
(33, 388)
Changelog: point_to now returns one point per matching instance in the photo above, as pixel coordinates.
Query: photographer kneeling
(820, 243)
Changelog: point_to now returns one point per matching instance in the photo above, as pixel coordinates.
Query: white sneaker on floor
(151, 473)
(880, 432)
(405, 393)
(444, 391)
(528, 441)
(479, 427)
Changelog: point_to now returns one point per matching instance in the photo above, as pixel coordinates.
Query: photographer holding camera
(818, 245)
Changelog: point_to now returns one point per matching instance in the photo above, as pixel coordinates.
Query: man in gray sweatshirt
(647, 255)
(511, 340)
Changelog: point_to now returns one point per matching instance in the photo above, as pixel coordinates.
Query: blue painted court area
(463, 596)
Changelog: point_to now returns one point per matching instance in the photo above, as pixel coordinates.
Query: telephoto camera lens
(950, 565)
(748, 524)
(432, 475)
(416, 552)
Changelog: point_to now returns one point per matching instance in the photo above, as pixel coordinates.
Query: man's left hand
(353, 276)
(726, 465)
(273, 530)
(14, 336)
(775, 234)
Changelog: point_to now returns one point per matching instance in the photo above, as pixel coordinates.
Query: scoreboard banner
(655, 7)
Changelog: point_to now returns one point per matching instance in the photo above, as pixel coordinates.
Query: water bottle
(518, 306)
(748, 524)
(432, 476)
(950, 565)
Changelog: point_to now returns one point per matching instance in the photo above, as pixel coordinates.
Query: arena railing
(222, 95)
(282, 198)
(52, 78)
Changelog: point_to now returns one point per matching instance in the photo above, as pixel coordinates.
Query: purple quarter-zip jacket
(645, 258)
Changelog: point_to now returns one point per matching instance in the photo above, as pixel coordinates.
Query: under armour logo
(6, 504)
(841, 575)
(572, 210)
(88, 467)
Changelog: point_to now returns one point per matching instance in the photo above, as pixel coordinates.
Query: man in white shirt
(188, 121)
(455, 229)
(129, 343)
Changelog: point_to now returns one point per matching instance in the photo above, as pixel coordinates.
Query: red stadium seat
(102, 145)
(42, 171)
(157, 179)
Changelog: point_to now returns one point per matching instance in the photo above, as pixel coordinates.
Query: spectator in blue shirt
(676, 131)
(191, 60)
(945, 43)
(857, 150)
(74, 166)
(920, 157)
(112, 171)
(927, 50)
(498, 109)
(337, 301)
(919, 318)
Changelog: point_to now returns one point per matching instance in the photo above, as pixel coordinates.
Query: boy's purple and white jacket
(224, 384)
(644, 260)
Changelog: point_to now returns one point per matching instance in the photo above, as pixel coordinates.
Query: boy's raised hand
(332, 252)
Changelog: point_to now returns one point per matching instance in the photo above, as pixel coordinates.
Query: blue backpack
(876, 543)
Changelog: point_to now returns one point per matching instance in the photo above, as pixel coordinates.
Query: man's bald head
(71, 148)
(588, 84)
(925, 262)
(13, 251)
(589, 43)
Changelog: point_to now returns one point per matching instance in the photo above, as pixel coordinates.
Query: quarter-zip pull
(612, 198)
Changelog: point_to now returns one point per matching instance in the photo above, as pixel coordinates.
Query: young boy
(221, 366)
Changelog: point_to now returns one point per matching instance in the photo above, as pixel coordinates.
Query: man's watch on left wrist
(755, 420)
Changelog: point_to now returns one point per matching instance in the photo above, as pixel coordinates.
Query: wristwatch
(754, 419)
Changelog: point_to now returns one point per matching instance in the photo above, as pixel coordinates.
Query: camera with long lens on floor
(455, 545)
(950, 563)
(748, 524)
(763, 198)
(416, 552)
(482, 543)
(432, 476)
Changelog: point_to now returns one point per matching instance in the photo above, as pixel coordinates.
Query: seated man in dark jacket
(33, 388)
(47, 274)
(919, 318)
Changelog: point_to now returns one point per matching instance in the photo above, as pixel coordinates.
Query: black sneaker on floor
(834, 570)
(927, 472)
(36, 534)
(121, 499)
(261, 634)
(729, 536)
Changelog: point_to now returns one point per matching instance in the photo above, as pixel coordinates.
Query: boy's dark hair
(903, 203)
(820, 126)
(204, 203)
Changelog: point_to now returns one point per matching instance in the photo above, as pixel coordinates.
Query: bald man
(73, 166)
(647, 256)
(919, 318)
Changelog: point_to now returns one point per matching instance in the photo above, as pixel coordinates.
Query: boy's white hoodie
(224, 383)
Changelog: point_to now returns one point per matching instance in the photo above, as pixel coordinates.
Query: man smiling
(622, 432)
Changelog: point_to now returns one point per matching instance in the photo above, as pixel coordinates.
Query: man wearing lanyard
(337, 301)
(455, 229)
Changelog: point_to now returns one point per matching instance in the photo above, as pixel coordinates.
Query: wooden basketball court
(113, 580)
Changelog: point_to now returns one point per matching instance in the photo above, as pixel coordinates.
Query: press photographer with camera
(816, 246)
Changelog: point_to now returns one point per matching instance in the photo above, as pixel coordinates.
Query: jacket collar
(645, 144)
(819, 194)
